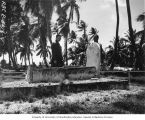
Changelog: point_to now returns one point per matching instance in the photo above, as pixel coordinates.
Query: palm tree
(73, 37)
(93, 32)
(141, 34)
(130, 22)
(83, 27)
(13, 14)
(43, 9)
(138, 61)
(24, 40)
(116, 38)
(25, 54)
(76, 52)
(65, 22)
(3, 47)
(124, 56)
(43, 52)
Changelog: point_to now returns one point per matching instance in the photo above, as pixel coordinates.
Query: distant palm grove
(20, 36)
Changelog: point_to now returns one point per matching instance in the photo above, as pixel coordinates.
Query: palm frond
(66, 6)
(141, 17)
(77, 13)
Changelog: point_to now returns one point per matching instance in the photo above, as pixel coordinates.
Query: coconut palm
(141, 34)
(141, 18)
(93, 32)
(116, 38)
(71, 7)
(25, 41)
(25, 53)
(83, 27)
(77, 52)
(43, 53)
(3, 48)
(74, 8)
(13, 15)
(138, 59)
(43, 10)
(73, 37)
(130, 22)
(124, 56)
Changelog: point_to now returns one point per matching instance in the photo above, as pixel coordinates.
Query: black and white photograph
(72, 57)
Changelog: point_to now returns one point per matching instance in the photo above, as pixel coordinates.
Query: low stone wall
(17, 93)
(137, 76)
(58, 74)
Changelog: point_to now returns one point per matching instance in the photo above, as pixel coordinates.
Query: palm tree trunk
(32, 59)
(138, 59)
(45, 61)
(29, 61)
(13, 61)
(130, 23)
(66, 37)
(25, 61)
(10, 44)
(10, 51)
(66, 58)
(9, 59)
(3, 56)
(117, 38)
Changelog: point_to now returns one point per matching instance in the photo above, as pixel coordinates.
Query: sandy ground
(86, 99)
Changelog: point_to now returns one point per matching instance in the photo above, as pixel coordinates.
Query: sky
(101, 14)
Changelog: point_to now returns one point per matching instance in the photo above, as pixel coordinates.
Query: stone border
(58, 74)
(58, 88)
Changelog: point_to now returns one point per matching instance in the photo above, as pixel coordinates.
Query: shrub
(132, 103)
(17, 95)
(35, 110)
(31, 99)
(68, 108)
(44, 101)
(7, 105)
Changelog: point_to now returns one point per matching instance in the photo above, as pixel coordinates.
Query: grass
(81, 108)
(17, 112)
(1, 102)
(16, 95)
(35, 110)
(133, 103)
(92, 102)
(7, 105)
(44, 101)
(68, 108)
(31, 99)
(105, 109)
(130, 106)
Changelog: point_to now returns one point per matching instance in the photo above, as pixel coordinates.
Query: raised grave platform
(11, 89)
(58, 74)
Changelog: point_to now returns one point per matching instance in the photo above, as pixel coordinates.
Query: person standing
(57, 58)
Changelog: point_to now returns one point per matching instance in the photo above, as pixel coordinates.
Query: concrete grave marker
(93, 56)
